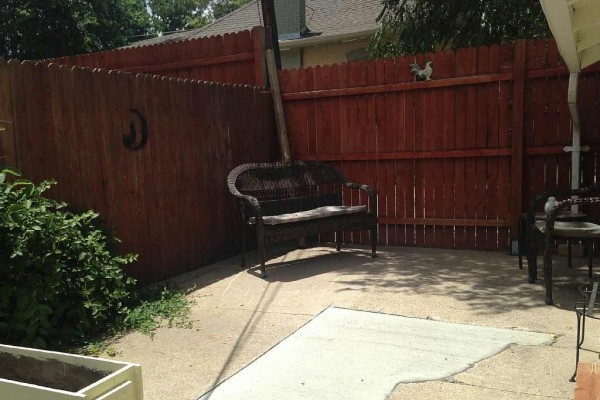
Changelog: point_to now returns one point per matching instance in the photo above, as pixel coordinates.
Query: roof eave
(575, 24)
(318, 40)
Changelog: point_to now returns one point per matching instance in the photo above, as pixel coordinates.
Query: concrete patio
(237, 317)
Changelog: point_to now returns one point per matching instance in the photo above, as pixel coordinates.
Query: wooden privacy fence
(454, 160)
(230, 58)
(167, 201)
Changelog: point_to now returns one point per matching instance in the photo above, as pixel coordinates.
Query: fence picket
(440, 156)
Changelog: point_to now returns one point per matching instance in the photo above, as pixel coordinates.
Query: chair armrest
(366, 188)
(543, 197)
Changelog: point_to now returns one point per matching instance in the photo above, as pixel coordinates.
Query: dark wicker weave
(281, 188)
(534, 239)
(549, 238)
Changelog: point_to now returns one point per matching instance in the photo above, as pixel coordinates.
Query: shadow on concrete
(266, 298)
(488, 282)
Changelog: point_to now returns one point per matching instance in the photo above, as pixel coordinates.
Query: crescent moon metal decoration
(129, 140)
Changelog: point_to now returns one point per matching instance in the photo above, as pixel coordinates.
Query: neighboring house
(311, 32)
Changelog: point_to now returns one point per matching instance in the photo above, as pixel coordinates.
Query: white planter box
(100, 379)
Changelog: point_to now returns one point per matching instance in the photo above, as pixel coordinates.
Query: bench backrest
(289, 187)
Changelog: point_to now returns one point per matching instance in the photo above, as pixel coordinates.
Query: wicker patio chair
(541, 234)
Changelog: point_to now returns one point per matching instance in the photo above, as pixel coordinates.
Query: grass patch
(155, 307)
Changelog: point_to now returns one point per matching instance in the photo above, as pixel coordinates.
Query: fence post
(260, 70)
(516, 167)
(8, 150)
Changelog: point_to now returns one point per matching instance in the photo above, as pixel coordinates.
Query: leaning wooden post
(516, 181)
(259, 45)
(284, 145)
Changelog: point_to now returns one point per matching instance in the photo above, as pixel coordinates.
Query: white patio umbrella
(575, 24)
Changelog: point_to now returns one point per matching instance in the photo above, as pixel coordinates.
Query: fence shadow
(488, 282)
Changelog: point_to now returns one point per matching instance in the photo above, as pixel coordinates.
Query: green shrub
(59, 283)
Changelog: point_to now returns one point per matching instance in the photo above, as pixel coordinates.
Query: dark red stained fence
(231, 58)
(454, 160)
(168, 201)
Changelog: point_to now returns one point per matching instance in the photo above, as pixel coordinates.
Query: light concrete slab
(349, 354)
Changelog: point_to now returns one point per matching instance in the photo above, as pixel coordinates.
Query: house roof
(325, 19)
(575, 25)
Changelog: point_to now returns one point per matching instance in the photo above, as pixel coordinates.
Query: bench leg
(260, 239)
(243, 264)
(590, 248)
(338, 239)
(261, 254)
(374, 241)
(531, 262)
(548, 272)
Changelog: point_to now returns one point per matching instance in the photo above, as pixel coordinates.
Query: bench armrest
(366, 188)
(247, 202)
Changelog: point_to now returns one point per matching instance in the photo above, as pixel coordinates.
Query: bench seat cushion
(321, 212)
(575, 229)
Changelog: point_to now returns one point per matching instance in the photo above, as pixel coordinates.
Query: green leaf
(5, 292)
(22, 301)
(44, 309)
(11, 171)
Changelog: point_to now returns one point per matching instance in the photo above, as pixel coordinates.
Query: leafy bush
(59, 283)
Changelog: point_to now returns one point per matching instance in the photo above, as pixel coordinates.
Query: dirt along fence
(230, 58)
(151, 154)
(456, 159)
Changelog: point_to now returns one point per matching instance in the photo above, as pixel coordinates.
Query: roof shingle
(323, 18)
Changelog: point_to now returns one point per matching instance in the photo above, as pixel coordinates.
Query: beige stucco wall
(331, 53)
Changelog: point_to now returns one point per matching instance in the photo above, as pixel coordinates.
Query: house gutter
(317, 40)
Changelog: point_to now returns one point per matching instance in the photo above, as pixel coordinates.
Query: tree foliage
(35, 29)
(174, 15)
(409, 27)
(221, 8)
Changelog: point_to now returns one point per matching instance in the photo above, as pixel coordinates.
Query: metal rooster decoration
(422, 74)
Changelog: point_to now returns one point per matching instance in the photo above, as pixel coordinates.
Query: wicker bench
(284, 201)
